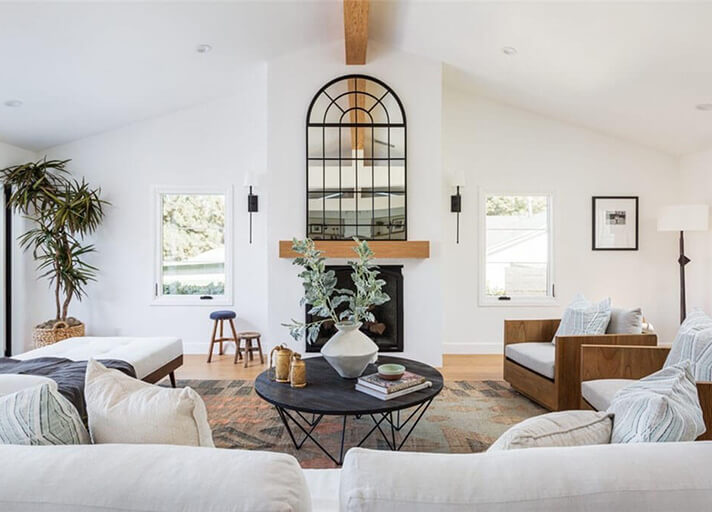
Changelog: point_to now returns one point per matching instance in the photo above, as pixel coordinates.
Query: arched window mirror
(356, 161)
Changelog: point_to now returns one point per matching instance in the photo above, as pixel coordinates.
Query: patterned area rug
(466, 417)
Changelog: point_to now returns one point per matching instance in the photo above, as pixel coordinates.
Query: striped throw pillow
(662, 407)
(694, 343)
(39, 416)
(584, 317)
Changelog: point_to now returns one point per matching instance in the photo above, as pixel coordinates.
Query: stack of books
(388, 389)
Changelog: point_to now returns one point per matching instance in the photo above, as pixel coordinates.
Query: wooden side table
(249, 349)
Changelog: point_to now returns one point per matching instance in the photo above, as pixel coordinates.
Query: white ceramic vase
(349, 351)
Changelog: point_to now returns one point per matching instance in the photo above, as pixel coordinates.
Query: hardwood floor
(455, 367)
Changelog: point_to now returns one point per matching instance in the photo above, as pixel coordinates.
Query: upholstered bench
(152, 358)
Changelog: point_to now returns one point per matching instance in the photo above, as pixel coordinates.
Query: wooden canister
(298, 371)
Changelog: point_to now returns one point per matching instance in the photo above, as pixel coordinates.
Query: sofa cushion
(324, 489)
(122, 409)
(694, 343)
(599, 393)
(160, 478)
(662, 407)
(584, 317)
(538, 357)
(14, 382)
(625, 321)
(40, 415)
(565, 428)
(615, 478)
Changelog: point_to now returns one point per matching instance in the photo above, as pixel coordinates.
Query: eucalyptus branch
(325, 299)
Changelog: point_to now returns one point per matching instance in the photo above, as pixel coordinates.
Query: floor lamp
(684, 217)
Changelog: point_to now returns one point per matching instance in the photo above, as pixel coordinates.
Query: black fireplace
(387, 329)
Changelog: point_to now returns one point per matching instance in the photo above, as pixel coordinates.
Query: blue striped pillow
(40, 415)
(662, 407)
(694, 343)
(584, 317)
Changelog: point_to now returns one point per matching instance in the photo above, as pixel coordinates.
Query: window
(356, 161)
(516, 249)
(193, 247)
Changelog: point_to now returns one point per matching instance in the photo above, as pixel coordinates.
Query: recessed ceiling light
(13, 103)
(704, 106)
(509, 50)
(203, 48)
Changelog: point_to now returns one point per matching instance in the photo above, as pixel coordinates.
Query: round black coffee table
(327, 394)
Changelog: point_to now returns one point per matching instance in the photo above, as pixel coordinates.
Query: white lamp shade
(250, 180)
(684, 217)
(459, 179)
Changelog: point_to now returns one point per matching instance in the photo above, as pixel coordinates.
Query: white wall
(505, 148)
(293, 81)
(214, 144)
(696, 177)
(22, 274)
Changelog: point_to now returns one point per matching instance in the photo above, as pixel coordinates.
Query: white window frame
(158, 299)
(484, 299)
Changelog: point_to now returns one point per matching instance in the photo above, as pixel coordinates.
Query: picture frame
(615, 223)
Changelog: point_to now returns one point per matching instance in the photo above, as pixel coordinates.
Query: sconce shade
(684, 217)
(459, 179)
(250, 180)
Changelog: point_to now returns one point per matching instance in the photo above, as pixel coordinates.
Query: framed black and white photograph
(615, 223)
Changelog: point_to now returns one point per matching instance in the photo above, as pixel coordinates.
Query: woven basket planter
(60, 331)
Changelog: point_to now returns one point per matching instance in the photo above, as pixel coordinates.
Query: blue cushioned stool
(219, 317)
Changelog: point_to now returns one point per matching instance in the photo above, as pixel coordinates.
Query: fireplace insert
(387, 329)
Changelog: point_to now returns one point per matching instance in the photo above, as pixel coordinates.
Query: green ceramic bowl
(391, 371)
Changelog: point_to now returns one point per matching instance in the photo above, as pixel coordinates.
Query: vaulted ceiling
(635, 70)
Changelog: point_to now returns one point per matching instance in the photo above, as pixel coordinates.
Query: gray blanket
(69, 375)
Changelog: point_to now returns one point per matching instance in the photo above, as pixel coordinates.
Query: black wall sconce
(456, 201)
(252, 199)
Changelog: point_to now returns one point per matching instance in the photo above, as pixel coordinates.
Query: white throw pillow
(584, 317)
(566, 428)
(122, 409)
(662, 407)
(693, 343)
(40, 415)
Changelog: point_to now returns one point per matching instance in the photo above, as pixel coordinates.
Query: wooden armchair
(560, 390)
(599, 362)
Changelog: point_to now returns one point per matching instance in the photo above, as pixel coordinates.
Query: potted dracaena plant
(62, 211)
(350, 350)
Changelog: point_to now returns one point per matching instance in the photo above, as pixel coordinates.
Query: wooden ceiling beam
(356, 30)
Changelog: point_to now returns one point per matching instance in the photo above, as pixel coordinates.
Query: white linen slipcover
(658, 477)
(159, 478)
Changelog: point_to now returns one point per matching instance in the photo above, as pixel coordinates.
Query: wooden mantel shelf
(404, 249)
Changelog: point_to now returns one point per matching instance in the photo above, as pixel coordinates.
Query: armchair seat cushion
(599, 393)
(538, 357)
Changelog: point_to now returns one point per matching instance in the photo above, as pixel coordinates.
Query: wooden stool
(220, 317)
(248, 336)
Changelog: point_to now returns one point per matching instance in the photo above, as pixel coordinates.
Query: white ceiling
(85, 68)
(634, 70)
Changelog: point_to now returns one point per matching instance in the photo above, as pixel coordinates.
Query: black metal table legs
(307, 427)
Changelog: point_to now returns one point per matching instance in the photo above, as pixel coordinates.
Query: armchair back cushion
(662, 407)
(625, 321)
(694, 343)
(583, 317)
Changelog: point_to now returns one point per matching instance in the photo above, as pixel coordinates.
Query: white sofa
(614, 478)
